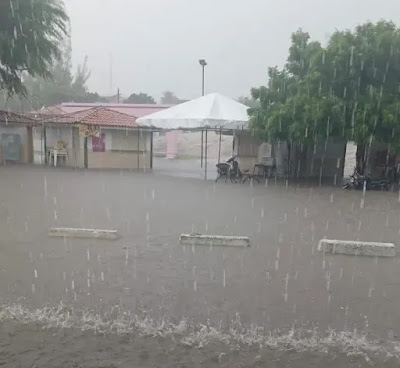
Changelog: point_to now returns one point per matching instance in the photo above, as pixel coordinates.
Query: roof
(8, 117)
(210, 111)
(95, 116)
(136, 110)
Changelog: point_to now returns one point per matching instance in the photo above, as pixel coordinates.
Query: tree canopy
(349, 89)
(63, 86)
(30, 35)
(140, 98)
(170, 98)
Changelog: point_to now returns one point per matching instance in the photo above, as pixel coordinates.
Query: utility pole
(118, 95)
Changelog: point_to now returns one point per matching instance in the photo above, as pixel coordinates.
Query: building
(15, 138)
(135, 110)
(93, 138)
(324, 160)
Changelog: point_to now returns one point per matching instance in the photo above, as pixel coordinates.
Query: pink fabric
(172, 143)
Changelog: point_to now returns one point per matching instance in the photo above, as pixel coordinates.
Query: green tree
(349, 89)
(169, 98)
(248, 101)
(30, 34)
(140, 98)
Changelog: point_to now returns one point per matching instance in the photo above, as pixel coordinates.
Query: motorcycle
(364, 182)
(229, 169)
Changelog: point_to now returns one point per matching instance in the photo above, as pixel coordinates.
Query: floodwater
(144, 300)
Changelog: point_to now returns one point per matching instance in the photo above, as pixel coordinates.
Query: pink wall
(172, 143)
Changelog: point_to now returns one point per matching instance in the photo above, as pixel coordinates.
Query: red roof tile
(7, 117)
(136, 110)
(95, 116)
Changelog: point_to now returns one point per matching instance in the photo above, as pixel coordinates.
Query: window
(99, 143)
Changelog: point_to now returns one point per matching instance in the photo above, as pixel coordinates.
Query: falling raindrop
(102, 276)
(88, 254)
(45, 188)
(224, 278)
(33, 288)
(36, 273)
(73, 285)
(286, 287)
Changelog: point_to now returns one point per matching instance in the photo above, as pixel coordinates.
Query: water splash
(235, 335)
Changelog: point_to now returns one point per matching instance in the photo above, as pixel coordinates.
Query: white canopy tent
(211, 112)
(208, 112)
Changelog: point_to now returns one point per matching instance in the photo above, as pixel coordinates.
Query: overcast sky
(156, 44)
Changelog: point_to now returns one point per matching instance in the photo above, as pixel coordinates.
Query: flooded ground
(144, 300)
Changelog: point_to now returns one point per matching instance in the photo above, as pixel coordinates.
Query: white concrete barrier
(83, 233)
(360, 248)
(214, 240)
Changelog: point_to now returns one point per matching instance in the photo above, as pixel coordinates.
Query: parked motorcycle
(229, 169)
(364, 182)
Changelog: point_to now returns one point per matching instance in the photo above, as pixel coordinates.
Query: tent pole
(201, 152)
(45, 144)
(205, 158)
(219, 148)
(138, 149)
(151, 148)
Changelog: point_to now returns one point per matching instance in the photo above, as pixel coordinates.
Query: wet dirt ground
(144, 300)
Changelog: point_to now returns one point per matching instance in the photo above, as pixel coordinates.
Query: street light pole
(203, 64)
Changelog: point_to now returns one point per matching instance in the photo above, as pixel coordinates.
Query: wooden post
(29, 144)
(85, 153)
(44, 144)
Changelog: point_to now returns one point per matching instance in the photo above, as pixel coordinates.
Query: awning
(208, 112)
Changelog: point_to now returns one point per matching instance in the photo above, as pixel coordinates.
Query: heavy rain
(253, 221)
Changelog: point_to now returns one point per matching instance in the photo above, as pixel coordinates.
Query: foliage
(63, 86)
(30, 35)
(140, 98)
(352, 83)
(248, 101)
(169, 98)
(348, 89)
